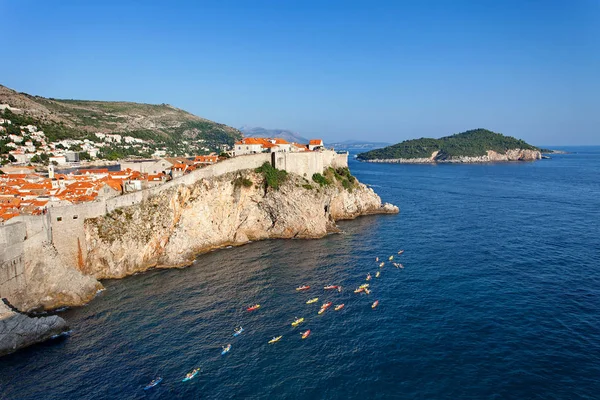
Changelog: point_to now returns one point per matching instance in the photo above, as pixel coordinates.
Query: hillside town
(31, 190)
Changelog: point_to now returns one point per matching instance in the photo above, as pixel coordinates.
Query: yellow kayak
(391, 258)
(364, 285)
(275, 339)
(312, 300)
(298, 321)
(377, 274)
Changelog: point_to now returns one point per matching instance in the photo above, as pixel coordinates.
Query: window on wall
(59, 219)
(75, 217)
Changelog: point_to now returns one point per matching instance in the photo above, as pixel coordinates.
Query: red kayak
(254, 307)
(305, 287)
(375, 304)
(305, 334)
(331, 287)
(325, 306)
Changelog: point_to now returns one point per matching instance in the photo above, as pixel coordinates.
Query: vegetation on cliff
(274, 177)
(471, 143)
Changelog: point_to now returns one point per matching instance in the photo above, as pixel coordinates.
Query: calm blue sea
(499, 298)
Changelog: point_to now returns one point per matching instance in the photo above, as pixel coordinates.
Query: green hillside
(471, 143)
(163, 125)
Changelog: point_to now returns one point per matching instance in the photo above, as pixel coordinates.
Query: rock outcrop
(51, 284)
(491, 156)
(170, 229)
(18, 330)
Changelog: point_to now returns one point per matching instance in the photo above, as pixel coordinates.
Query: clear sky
(376, 70)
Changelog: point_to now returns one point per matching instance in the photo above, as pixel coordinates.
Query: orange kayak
(305, 334)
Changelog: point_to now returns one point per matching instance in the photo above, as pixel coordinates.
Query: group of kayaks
(364, 288)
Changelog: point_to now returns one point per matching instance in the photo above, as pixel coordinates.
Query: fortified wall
(63, 226)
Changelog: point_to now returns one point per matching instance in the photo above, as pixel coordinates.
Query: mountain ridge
(77, 119)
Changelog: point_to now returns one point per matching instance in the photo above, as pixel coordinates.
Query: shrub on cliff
(273, 177)
(320, 179)
(241, 181)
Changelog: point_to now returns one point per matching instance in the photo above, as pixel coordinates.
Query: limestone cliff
(171, 228)
(491, 156)
(51, 284)
(18, 330)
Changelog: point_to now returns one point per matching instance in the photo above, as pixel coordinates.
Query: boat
(391, 258)
(298, 321)
(364, 285)
(329, 287)
(376, 259)
(400, 252)
(322, 310)
(375, 304)
(398, 265)
(381, 265)
(275, 339)
(153, 383)
(305, 334)
(238, 331)
(360, 289)
(191, 375)
(326, 305)
(338, 307)
(254, 307)
(226, 349)
(368, 277)
(367, 291)
(377, 274)
(305, 287)
(312, 300)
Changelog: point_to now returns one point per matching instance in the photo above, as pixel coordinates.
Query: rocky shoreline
(18, 330)
(490, 157)
(170, 230)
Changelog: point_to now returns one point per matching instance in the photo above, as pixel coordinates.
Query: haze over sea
(499, 298)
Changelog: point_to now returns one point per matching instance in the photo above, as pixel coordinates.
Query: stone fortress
(60, 233)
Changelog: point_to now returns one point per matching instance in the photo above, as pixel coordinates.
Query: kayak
(376, 259)
(298, 321)
(364, 285)
(369, 277)
(339, 307)
(329, 287)
(377, 274)
(375, 304)
(360, 289)
(226, 349)
(254, 307)
(238, 331)
(275, 339)
(305, 334)
(326, 305)
(305, 287)
(400, 252)
(367, 291)
(391, 258)
(322, 310)
(312, 300)
(153, 383)
(191, 375)
(381, 265)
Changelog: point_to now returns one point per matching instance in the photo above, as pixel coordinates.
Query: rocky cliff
(491, 156)
(170, 229)
(18, 330)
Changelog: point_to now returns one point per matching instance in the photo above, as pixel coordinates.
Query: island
(473, 146)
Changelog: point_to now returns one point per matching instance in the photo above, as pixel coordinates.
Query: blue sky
(376, 70)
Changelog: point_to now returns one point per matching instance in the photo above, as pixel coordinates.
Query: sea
(498, 298)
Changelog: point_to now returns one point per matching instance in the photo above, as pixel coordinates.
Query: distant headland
(473, 146)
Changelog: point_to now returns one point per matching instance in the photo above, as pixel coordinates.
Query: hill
(161, 125)
(290, 136)
(470, 146)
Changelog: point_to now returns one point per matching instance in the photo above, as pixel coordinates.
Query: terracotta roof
(316, 142)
